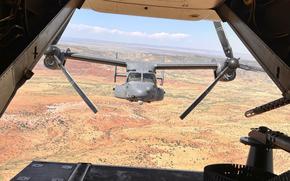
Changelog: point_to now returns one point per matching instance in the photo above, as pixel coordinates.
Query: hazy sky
(151, 31)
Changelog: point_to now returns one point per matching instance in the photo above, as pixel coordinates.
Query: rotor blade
(76, 87)
(204, 94)
(251, 68)
(223, 40)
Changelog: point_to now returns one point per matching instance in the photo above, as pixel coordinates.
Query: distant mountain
(165, 50)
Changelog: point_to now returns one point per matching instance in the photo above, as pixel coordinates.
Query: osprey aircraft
(141, 81)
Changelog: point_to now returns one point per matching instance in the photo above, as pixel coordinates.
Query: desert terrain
(48, 121)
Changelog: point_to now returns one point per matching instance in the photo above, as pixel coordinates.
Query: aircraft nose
(141, 92)
(149, 89)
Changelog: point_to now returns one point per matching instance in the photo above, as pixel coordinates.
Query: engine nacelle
(229, 76)
(49, 60)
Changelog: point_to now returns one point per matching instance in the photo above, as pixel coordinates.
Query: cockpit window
(148, 77)
(134, 77)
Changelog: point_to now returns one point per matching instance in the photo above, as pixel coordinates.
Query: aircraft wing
(197, 65)
(92, 59)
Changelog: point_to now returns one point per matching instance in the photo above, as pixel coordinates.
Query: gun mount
(262, 141)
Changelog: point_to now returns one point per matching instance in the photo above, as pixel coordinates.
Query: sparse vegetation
(48, 121)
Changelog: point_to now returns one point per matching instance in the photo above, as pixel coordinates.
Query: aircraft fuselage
(140, 85)
(139, 91)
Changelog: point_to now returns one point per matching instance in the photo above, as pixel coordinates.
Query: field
(48, 121)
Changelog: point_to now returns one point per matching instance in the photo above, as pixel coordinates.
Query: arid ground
(48, 121)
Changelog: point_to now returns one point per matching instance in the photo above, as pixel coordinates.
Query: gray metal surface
(51, 171)
(194, 65)
(98, 60)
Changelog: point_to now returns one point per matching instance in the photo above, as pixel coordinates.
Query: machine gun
(262, 141)
(259, 164)
(272, 139)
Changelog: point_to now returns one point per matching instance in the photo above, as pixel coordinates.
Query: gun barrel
(282, 141)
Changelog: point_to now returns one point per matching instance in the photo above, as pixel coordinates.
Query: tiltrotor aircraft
(141, 83)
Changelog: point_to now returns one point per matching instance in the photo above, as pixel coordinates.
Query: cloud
(82, 29)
